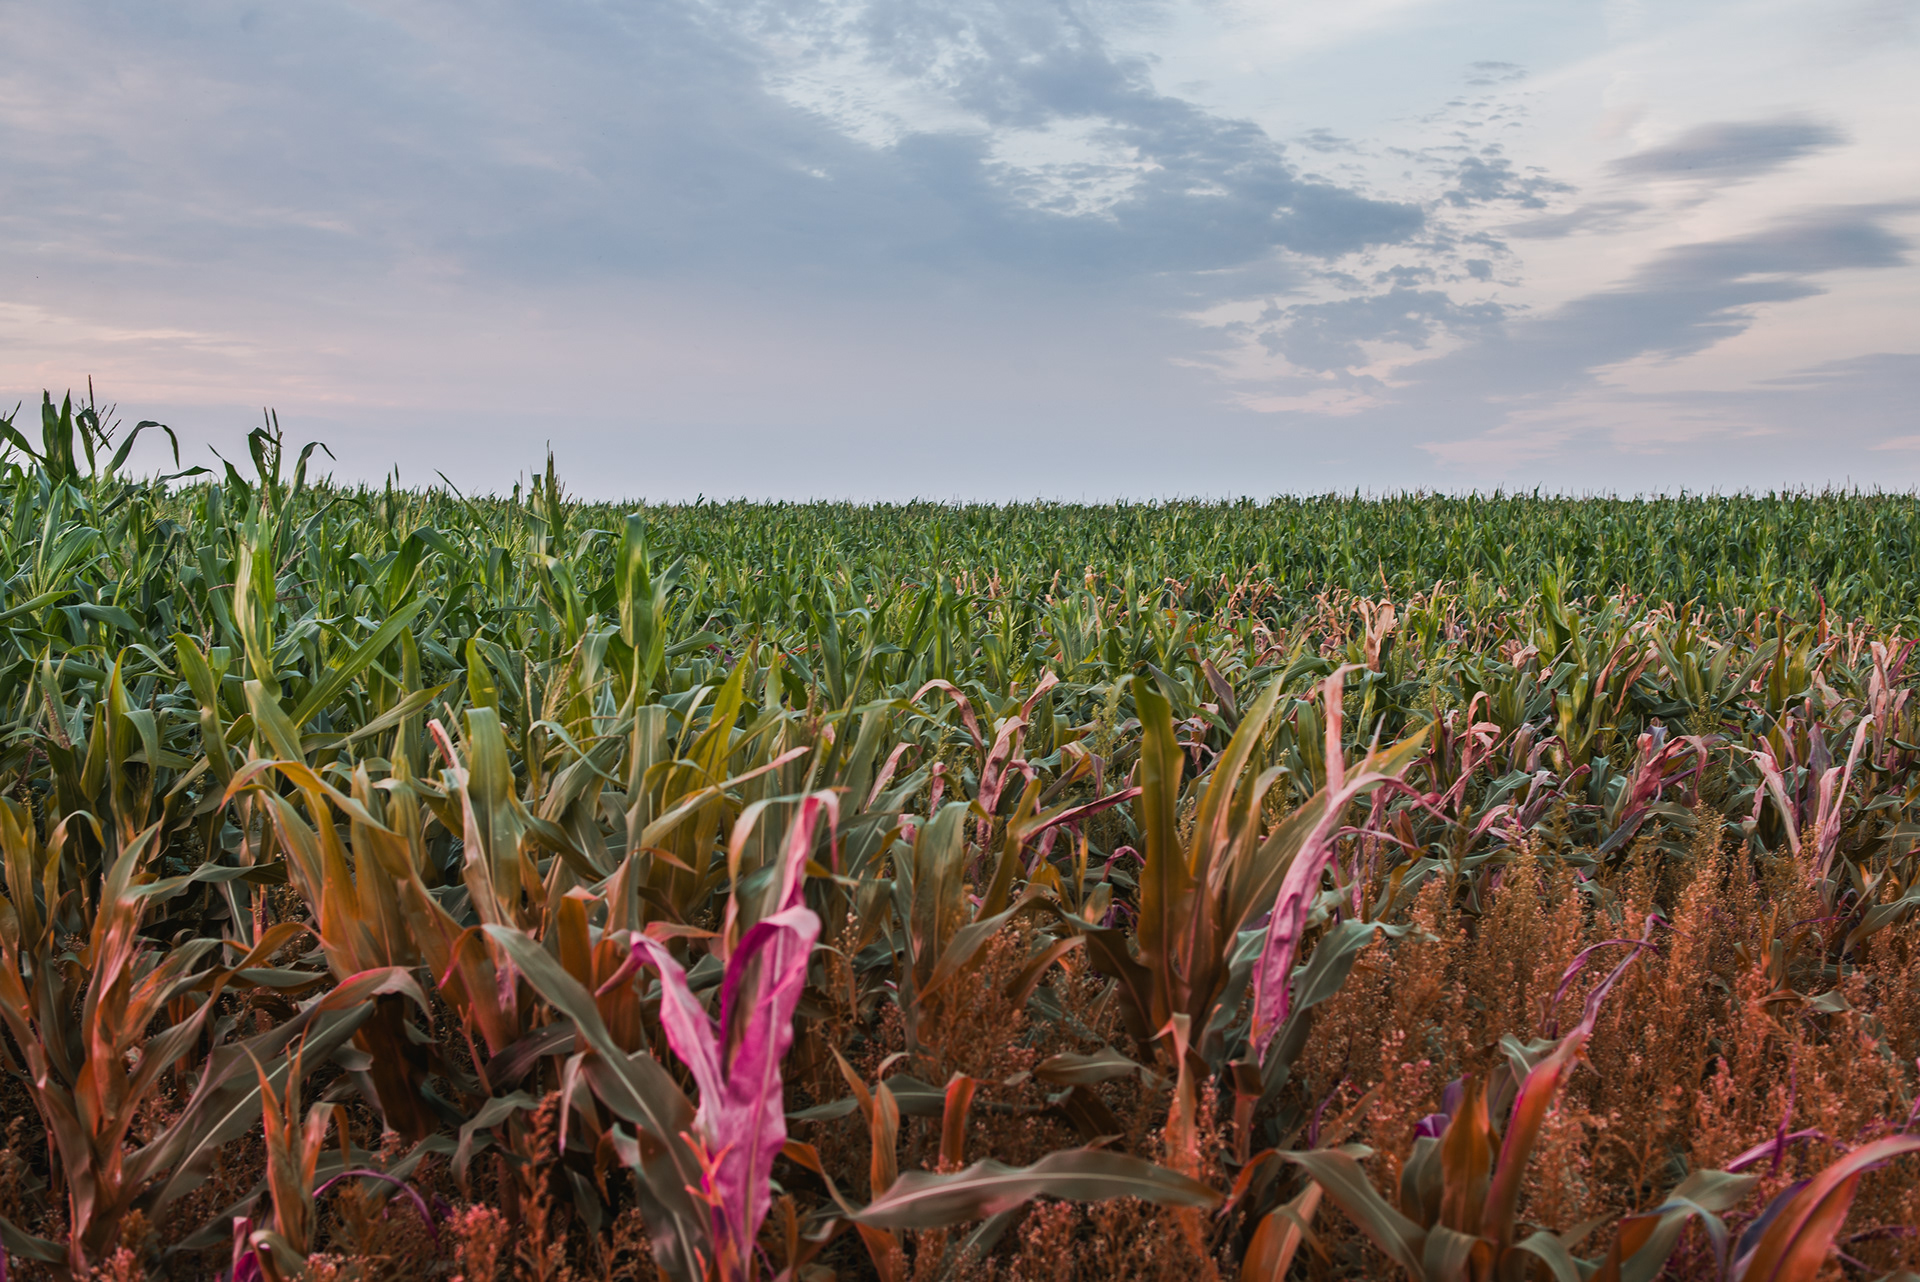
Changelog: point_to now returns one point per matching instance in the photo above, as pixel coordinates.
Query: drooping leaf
(925, 1200)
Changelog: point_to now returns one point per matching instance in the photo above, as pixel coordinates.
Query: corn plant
(511, 884)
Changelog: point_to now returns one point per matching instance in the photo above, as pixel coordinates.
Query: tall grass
(402, 884)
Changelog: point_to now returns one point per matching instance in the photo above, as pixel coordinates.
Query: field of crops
(404, 885)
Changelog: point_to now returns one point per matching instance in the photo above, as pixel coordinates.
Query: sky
(979, 249)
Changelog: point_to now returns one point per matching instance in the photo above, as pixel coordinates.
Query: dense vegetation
(405, 885)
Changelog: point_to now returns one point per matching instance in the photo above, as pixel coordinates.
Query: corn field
(400, 884)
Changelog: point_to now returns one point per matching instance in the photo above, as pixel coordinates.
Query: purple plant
(246, 1264)
(1273, 973)
(735, 1060)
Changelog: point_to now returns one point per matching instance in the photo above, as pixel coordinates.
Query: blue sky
(982, 248)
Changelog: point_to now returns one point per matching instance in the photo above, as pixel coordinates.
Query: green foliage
(465, 752)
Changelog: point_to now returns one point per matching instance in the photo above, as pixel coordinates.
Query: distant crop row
(405, 885)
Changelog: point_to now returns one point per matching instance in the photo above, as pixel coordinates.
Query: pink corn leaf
(246, 1264)
(966, 708)
(1791, 1240)
(1535, 1098)
(1774, 1148)
(1833, 795)
(1885, 702)
(1654, 770)
(1549, 1026)
(1273, 973)
(735, 1060)
(993, 771)
(799, 848)
(1048, 680)
(1048, 821)
(1775, 786)
(885, 776)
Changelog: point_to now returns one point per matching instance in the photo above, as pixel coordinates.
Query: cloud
(1494, 392)
(1048, 146)
(1731, 149)
(1900, 369)
(1689, 297)
(1330, 336)
(1533, 396)
(1473, 361)
(1612, 438)
(653, 141)
(1495, 73)
(1598, 217)
(1489, 178)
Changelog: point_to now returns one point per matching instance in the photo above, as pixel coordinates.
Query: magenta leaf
(246, 1264)
(1273, 973)
(735, 1060)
